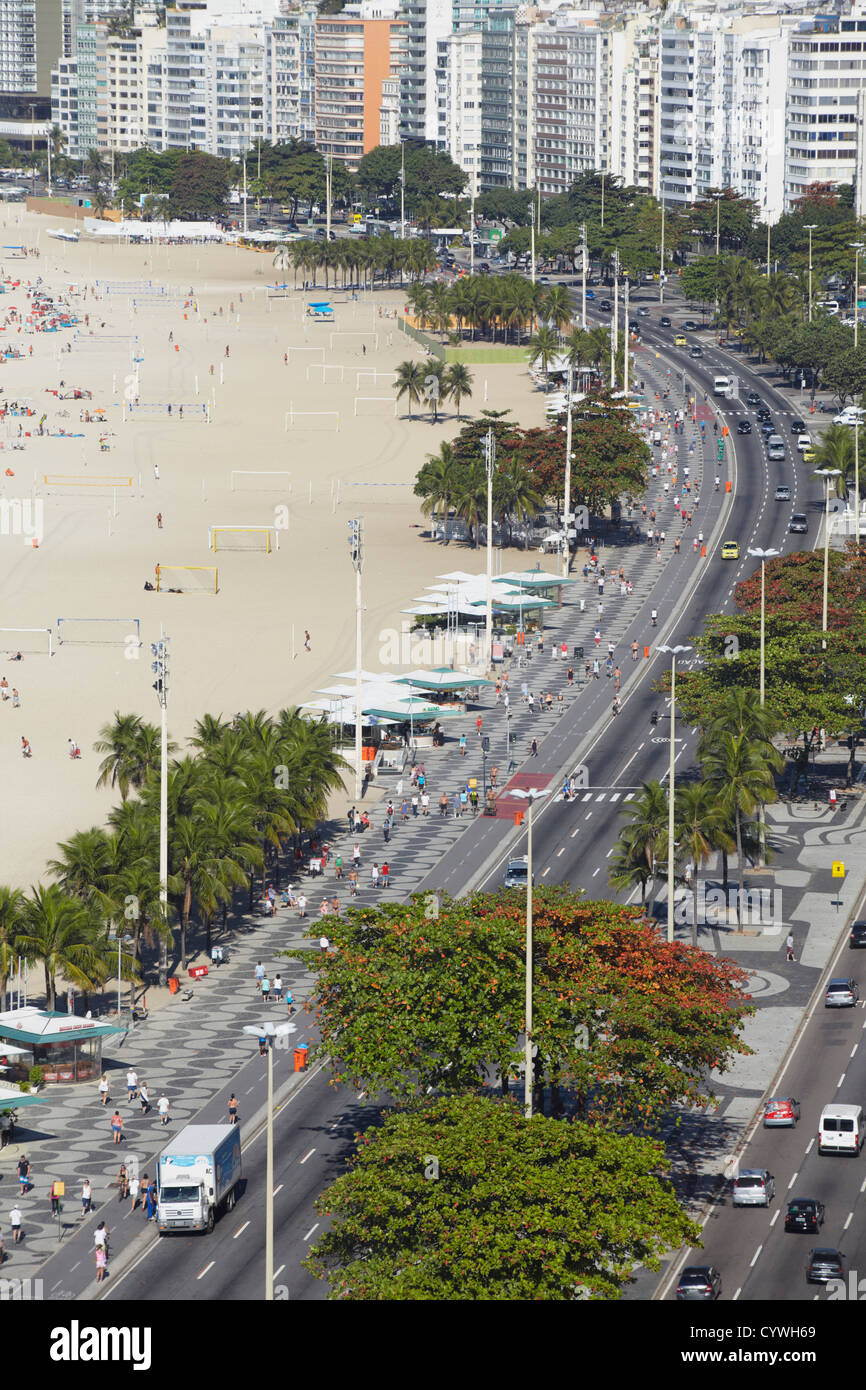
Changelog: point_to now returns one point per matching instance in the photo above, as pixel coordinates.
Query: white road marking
(614, 796)
(863, 1185)
(279, 1271)
(587, 816)
(546, 872)
(309, 1155)
(774, 1220)
(793, 1180)
(754, 1259)
(809, 1146)
(310, 1231)
(854, 1049)
(587, 797)
(278, 1189)
(205, 1270)
(841, 1079)
(848, 1221)
(571, 837)
(737, 1294)
(630, 797)
(562, 851)
(240, 1230)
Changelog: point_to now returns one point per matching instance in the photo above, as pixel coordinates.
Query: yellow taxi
(679, 340)
(809, 455)
(731, 550)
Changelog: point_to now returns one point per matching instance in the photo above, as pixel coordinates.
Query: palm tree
(701, 828)
(57, 140)
(410, 382)
(421, 301)
(471, 500)
(435, 385)
(94, 168)
(11, 903)
(646, 835)
(836, 450)
(196, 872)
(628, 868)
(66, 936)
(739, 771)
(441, 474)
(557, 306)
(85, 860)
(514, 493)
(132, 750)
(544, 348)
(458, 381)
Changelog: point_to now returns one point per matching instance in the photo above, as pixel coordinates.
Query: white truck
(199, 1173)
(723, 386)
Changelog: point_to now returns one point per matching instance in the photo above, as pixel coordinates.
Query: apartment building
(427, 22)
(823, 121)
(290, 74)
(633, 104)
(357, 51)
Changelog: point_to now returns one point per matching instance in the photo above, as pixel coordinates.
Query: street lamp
(270, 1031)
(159, 666)
(566, 501)
(810, 228)
(763, 556)
(583, 287)
(532, 240)
(718, 197)
(673, 652)
(488, 444)
(662, 259)
(856, 247)
(614, 323)
(826, 474)
(530, 794)
(356, 550)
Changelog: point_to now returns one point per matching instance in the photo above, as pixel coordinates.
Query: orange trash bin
(301, 1058)
(173, 984)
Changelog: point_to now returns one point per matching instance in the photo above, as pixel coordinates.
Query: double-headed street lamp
(826, 474)
(856, 247)
(270, 1031)
(763, 556)
(530, 794)
(810, 228)
(160, 668)
(673, 652)
(488, 445)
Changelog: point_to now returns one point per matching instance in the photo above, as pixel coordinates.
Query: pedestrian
(134, 1188)
(159, 521)
(266, 993)
(15, 1220)
(117, 1126)
(533, 748)
(356, 856)
(144, 1098)
(104, 1092)
(324, 943)
(54, 1196)
(597, 636)
(478, 723)
(463, 745)
(570, 675)
(351, 818)
(23, 1174)
(385, 874)
(164, 1106)
(374, 876)
(414, 805)
(131, 1085)
(123, 1183)
(307, 646)
(353, 882)
(152, 1200)
(100, 1238)
(278, 989)
(425, 803)
(338, 865)
(156, 472)
(233, 1109)
(789, 946)
(302, 905)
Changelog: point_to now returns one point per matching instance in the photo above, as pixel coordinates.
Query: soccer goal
(376, 377)
(78, 481)
(100, 632)
(187, 579)
(292, 352)
(324, 368)
(260, 480)
(257, 538)
(328, 420)
(29, 641)
(376, 400)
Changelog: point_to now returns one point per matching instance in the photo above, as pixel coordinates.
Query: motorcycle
(654, 717)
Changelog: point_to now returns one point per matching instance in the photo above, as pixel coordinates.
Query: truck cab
(199, 1173)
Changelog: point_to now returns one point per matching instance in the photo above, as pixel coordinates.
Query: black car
(799, 427)
(857, 936)
(699, 1283)
(824, 1265)
(664, 321)
(605, 304)
(696, 351)
(763, 412)
(753, 398)
(804, 1214)
(744, 427)
(633, 326)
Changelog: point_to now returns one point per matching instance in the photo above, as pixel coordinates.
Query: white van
(841, 1129)
(722, 386)
(830, 306)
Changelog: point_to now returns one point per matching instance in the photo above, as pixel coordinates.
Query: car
(781, 1112)
(804, 443)
(767, 427)
(544, 280)
(744, 427)
(517, 873)
(809, 455)
(754, 1187)
(484, 268)
(857, 935)
(799, 524)
(851, 415)
(731, 550)
(690, 325)
(700, 1283)
(798, 426)
(824, 1264)
(602, 303)
(590, 295)
(804, 1214)
(643, 312)
(842, 993)
(763, 412)
(633, 326)
(753, 398)
(782, 493)
(696, 351)
(680, 341)
(664, 321)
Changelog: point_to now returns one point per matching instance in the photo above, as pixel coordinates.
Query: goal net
(312, 419)
(260, 480)
(259, 538)
(372, 405)
(29, 641)
(99, 631)
(187, 579)
(78, 481)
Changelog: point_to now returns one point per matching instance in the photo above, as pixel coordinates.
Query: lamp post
(763, 556)
(857, 483)
(768, 246)
(403, 194)
(810, 228)
(602, 198)
(530, 794)
(662, 257)
(270, 1031)
(329, 174)
(356, 550)
(566, 501)
(673, 652)
(625, 336)
(826, 474)
(583, 286)
(532, 240)
(489, 446)
(159, 666)
(718, 197)
(856, 247)
(614, 323)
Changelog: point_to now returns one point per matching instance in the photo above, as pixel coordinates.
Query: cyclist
(718, 480)
(653, 617)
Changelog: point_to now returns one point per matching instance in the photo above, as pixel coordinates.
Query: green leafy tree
(200, 187)
(11, 905)
(64, 936)
(463, 1198)
(410, 378)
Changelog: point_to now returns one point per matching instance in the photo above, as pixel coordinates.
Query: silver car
(754, 1187)
(841, 994)
(517, 873)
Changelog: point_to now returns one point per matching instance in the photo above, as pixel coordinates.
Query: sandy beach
(233, 650)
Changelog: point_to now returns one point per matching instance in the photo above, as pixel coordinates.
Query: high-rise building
(30, 43)
(290, 73)
(427, 22)
(356, 52)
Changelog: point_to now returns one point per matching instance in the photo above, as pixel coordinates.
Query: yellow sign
(60, 1189)
(838, 869)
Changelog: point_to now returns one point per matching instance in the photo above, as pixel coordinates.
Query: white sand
(233, 651)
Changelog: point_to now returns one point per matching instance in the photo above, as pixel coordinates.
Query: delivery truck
(199, 1174)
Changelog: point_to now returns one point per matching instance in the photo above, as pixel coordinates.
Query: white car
(851, 415)
(804, 442)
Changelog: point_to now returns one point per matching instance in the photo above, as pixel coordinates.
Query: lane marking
(562, 851)
(546, 872)
(614, 796)
(205, 1270)
(240, 1230)
(793, 1180)
(754, 1259)
(278, 1189)
(596, 871)
(571, 837)
(279, 1271)
(809, 1146)
(774, 1220)
(848, 1221)
(310, 1231)
(309, 1155)
(739, 1291)
(854, 1049)
(841, 1079)
(587, 816)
